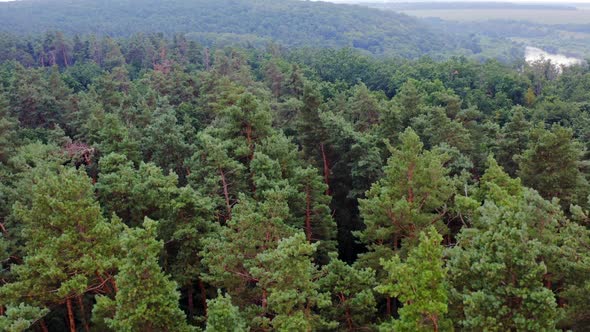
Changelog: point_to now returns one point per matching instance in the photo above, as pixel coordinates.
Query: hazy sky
(514, 1)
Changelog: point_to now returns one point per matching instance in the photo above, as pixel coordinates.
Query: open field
(580, 16)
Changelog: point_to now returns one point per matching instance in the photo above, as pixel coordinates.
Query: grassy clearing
(580, 16)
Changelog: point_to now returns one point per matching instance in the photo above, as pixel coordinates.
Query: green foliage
(69, 244)
(223, 316)
(302, 24)
(353, 303)
(132, 193)
(146, 299)
(552, 164)
(279, 178)
(288, 275)
(497, 275)
(420, 284)
(254, 228)
(411, 196)
(21, 317)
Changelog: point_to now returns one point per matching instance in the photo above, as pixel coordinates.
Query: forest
(151, 183)
(208, 172)
(292, 23)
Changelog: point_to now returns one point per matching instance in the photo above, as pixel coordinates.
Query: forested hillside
(153, 184)
(288, 22)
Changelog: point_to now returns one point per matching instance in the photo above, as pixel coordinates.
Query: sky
(513, 1)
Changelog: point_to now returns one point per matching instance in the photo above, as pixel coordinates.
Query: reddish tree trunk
(388, 306)
(308, 214)
(326, 168)
(410, 188)
(346, 312)
(547, 278)
(249, 139)
(63, 52)
(203, 296)
(191, 305)
(114, 284)
(71, 320)
(434, 321)
(225, 193)
(264, 296)
(44, 326)
(83, 312)
(2, 310)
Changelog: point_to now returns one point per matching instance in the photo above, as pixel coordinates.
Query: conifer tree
(420, 284)
(552, 166)
(8, 126)
(133, 193)
(253, 228)
(70, 248)
(164, 143)
(215, 173)
(146, 300)
(223, 316)
(514, 139)
(190, 221)
(498, 271)
(20, 318)
(410, 101)
(411, 196)
(353, 303)
(288, 274)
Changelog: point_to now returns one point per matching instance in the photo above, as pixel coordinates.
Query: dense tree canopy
(150, 183)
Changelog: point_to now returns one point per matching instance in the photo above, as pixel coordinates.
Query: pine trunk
(203, 296)
(225, 193)
(191, 305)
(388, 307)
(71, 319)
(83, 313)
(44, 325)
(308, 231)
(326, 168)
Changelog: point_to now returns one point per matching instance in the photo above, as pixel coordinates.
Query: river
(533, 54)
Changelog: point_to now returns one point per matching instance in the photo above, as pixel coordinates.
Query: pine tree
(498, 268)
(365, 109)
(223, 316)
(215, 173)
(70, 250)
(164, 143)
(8, 126)
(146, 300)
(411, 196)
(318, 224)
(190, 221)
(552, 166)
(288, 274)
(410, 101)
(420, 284)
(20, 318)
(513, 141)
(230, 253)
(353, 303)
(311, 133)
(133, 194)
